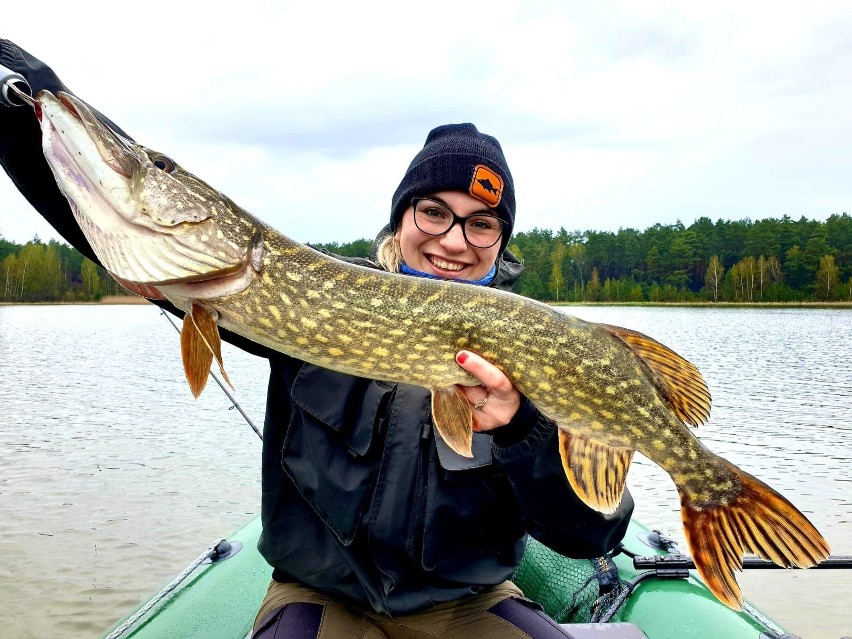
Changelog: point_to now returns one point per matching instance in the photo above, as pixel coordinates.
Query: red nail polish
(461, 358)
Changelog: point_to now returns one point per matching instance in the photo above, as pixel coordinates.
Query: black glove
(20, 148)
(35, 72)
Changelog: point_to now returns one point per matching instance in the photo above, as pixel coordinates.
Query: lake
(113, 478)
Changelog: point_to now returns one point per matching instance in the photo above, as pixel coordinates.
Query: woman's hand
(496, 401)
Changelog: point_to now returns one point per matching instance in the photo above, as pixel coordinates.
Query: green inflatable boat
(644, 590)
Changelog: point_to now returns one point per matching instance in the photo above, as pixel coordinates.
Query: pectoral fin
(142, 290)
(196, 356)
(678, 381)
(453, 417)
(199, 344)
(597, 473)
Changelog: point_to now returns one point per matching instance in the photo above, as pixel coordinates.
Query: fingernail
(461, 357)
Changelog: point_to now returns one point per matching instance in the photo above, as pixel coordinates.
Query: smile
(446, 266)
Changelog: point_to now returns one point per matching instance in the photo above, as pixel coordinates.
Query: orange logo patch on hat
(486, 185)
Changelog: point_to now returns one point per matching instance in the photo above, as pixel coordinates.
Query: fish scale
(611, 391)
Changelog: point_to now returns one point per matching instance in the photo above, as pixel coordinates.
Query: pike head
(150, 222)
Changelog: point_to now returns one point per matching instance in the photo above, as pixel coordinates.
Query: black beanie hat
(457, 157)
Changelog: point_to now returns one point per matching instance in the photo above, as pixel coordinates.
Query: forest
(51, 272)
(769, 260)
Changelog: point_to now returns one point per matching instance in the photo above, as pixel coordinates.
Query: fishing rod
(14, 88)
(221, 385)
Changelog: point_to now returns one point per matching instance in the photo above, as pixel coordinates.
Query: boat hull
(220, 600)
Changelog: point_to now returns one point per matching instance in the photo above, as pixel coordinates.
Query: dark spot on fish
(486, 184)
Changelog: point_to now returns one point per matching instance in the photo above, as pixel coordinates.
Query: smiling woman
(453, 212)
(436, 241)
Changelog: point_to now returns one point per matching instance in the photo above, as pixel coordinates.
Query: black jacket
(361, 499)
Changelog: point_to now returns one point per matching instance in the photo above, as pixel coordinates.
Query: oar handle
(675, 561)
(9, 82)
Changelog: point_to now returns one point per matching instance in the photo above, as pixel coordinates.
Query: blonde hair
(388, 254)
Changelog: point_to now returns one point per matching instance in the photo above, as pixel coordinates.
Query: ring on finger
(480, 403)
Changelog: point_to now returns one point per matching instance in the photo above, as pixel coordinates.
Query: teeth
(447, 266)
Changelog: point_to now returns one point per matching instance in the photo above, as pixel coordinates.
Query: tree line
(770, 260)
(52, 272)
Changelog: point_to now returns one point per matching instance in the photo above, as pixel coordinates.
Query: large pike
(163, 232)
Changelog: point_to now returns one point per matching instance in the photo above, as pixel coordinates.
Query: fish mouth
(115, 150)
(103, 176)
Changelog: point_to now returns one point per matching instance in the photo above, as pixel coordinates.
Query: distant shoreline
(106, 299)
(122, 299)
(842, 304)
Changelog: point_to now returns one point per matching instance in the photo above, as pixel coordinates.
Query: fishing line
(221, 385)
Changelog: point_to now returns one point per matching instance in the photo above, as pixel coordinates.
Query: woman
(373, 526)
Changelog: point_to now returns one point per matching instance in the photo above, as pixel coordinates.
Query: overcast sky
(611, 114)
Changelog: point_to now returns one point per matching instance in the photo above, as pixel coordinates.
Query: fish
(486, 184)
(164, 233)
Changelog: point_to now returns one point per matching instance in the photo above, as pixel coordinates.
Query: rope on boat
(132, 619)
(766, 621)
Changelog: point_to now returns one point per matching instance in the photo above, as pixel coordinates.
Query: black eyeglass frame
(457, 219)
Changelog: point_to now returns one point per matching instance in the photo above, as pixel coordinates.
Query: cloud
(611, 114)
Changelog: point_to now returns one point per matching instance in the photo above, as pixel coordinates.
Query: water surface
(113, 478)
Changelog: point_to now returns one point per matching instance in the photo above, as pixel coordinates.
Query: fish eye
(163, 163)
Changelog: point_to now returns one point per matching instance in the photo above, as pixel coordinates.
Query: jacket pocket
(329, 450)
(471, 514)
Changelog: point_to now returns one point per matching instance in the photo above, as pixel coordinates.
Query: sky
(611, 114)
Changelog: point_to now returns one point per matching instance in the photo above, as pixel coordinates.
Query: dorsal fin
(678, 381)
(596, 472)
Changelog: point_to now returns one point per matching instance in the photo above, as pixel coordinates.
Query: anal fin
(453, 417)
(597, 473)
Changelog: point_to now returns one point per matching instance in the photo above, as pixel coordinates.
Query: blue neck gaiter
(485, 281)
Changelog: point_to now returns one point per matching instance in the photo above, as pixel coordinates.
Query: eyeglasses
(480, 230)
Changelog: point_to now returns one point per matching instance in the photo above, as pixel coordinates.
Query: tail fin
(759, 521)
